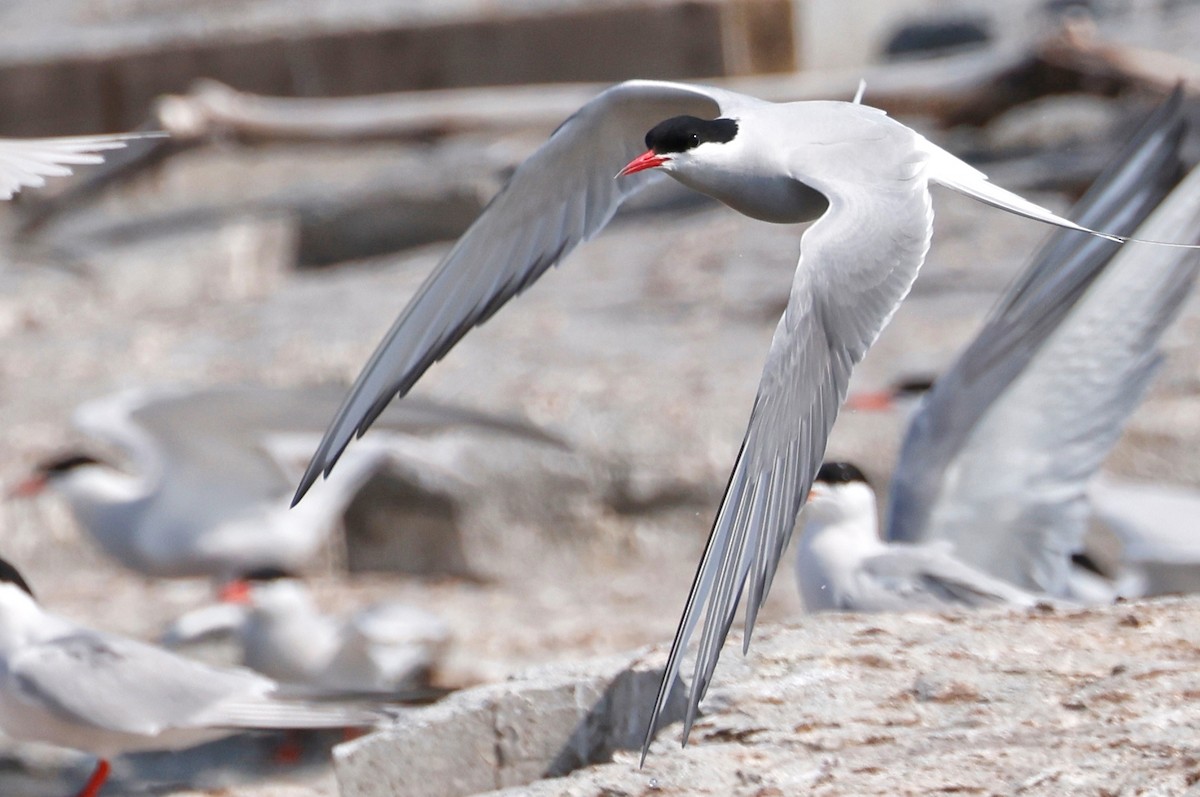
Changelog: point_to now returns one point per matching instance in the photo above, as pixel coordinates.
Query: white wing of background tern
(1032, 309)
(1055, 424)
(27, 162)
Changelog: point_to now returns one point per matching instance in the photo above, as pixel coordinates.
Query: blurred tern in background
(998, 459)
(1158, 528)
(210, 483)
(863, 176)
(67, 685)
(843, 565)
(384, 648)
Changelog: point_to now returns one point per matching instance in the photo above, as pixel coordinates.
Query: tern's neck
(287, 638)
(22, 621)
(839, 532)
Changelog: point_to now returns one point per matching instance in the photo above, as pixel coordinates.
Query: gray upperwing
(122, 685)
(561, 196)
(847, 286)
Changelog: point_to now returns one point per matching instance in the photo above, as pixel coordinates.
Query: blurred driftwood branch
(966, 89)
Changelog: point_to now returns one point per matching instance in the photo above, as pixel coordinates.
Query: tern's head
(9, 575)
(266, 588)
(53, 470)
(20, 616)
(904, 395)
(840, 491)
(680, 141)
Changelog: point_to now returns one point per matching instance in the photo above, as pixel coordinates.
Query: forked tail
(947, 170)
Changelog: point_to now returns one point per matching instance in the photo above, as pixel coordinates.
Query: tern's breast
(777, 199)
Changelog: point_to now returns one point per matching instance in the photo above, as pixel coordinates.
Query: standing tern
(1000, 455)
(861, 175)
(382, 648)
(843, 565)
(70, 686)
(209, 485)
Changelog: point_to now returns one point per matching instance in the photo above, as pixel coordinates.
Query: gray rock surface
(546, 722)
(1077, 702)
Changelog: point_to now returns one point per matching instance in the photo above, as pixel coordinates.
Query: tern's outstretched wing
(1034, 307)
(1012, 498)
(857, 262)
(27, 162)
(562, 195)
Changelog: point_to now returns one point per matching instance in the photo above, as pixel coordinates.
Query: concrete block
(542, 727)
(546, 723)
(440, 751)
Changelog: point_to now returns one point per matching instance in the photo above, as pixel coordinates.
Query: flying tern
(207, 490)
(843, 565)
(384, 648)
(67, 685)
(999, 457)
(861, 175)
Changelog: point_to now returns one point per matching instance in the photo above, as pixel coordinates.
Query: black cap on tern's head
(833, 473)
(914, 386)
(10, 575)
(238, 590)
(269, 573)
(49, 469)
(681, 133)
(65, 463)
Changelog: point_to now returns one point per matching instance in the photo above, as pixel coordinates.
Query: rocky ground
(1045, 702)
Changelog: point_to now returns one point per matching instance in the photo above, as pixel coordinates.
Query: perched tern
(67, 685)
(385, 648)
(861, 175)
(209, 485)
(999, 456)
(843, 565)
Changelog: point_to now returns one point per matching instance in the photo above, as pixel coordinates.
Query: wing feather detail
(857, 263)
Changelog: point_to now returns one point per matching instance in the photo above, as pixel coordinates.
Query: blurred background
(323, 157)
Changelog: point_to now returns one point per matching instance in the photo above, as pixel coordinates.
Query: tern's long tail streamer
(945, 169)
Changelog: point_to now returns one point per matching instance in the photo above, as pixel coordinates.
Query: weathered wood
(87, 74)
(1106, 65)
(927, 88)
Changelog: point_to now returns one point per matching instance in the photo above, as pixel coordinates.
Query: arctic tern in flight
(861, 175)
